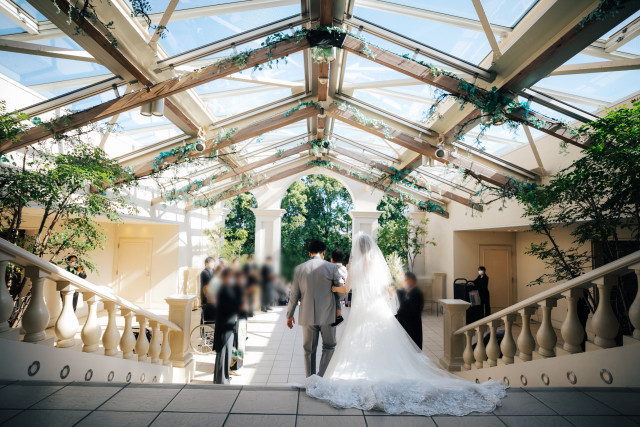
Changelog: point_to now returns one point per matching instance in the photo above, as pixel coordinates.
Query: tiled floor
(82, 404)
(274, 353)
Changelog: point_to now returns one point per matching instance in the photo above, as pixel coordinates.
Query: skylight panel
(470, 45)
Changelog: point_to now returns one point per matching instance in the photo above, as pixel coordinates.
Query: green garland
(211, 201)
(301, 105)
(604, 10)
(319, 146)
(182, 153)
(364, 120)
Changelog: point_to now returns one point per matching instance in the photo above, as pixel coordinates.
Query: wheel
(201, 339)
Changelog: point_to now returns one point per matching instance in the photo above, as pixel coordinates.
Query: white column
(67, 323)
(127, 340)
(526, 343)
(165, 352)
(36, 316)
(493, 351)
(155, 346)
(142, 343)
(91, 330)
(181, 357)
(508, 345)
(604, 322)
(572, 330)
(480, 353)
(111, 336)
(454, 318)
(364, 222)
(546, 335)
(217, 216)
(268, 234)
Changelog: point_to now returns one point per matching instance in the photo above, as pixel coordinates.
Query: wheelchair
(201, 338)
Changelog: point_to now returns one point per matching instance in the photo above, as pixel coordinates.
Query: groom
(312, 287)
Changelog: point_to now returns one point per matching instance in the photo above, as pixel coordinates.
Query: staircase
(102, 356)
(538, 360)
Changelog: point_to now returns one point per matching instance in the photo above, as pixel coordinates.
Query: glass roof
(450, 26)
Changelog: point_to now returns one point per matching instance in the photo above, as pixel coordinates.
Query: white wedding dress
(376, 365)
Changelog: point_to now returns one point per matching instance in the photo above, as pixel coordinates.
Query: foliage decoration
(301, 105)
(605, 10)
(181, 153)
(364, 120)
(321, 146)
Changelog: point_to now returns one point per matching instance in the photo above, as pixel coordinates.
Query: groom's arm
(295, 295)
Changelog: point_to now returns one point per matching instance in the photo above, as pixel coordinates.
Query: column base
(487, 364)
(504, 362)
(522, 358)
(536, 355)
(66, 343)
(47, 341)
(560, 351)
(90, 348)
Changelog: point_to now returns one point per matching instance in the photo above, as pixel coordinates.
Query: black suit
(410, 313)
(482, 282)
(267, 286)
(226, 318)
(206, 276)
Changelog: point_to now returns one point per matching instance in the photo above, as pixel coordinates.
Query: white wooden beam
(597, 67)
(42, 50)
(19, 16)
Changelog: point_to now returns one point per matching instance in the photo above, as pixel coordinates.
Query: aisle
(274, 353)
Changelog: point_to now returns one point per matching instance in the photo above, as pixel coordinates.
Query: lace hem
(414, 396)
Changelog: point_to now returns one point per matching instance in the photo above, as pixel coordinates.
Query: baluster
(155, 344)
(6, 302)
(546, 336)
(493, 351)
(142, 344)
(480, 353)
(604, 322)
(67, 323)
(508, 345)
(36, 316)
(128, 340)
(91, 331)
(634, 309)
(165, 353)
(467, 356)
(526, 343)
(572, 330)
(111, 335)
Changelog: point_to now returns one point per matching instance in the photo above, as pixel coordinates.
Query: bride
(376, 365)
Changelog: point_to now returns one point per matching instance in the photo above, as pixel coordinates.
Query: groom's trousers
(310, 334)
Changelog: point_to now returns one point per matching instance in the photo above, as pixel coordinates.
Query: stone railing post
(508, 345)
(156, 342)
(36, 316)
(111, 335)
(91, 331)
(480, 353)
(572, 330)
(604, 322)
(546, 335)
(467, 356)
(6, 302)
(127, 340)
(493, 350)
(634, 309)
(165, 352)
(181, 357)
(142, 343)
(454, 319)
(67, 323)
(526, 343)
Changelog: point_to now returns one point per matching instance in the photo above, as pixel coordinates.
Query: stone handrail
(169, 341)
(459, 352)
(26, 259)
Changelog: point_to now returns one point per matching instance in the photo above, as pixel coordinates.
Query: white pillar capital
(415, 216)
(362, 215)
(268, 213)
(218, 214)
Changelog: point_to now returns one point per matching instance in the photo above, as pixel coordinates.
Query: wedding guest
(337, 257)
(206, 275)
(228, 307)
(268, 277)
(74, 267)
(253, 283)
(482, 282)
(235, 264)
(411, 302)
(239, 332)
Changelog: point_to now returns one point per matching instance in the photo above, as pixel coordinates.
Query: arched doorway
(237, 237)
(316, 207)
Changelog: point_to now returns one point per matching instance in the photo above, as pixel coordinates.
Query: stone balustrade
(459, 350)
(109, 342)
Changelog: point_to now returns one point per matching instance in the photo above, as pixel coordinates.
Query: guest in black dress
(410, 310)
(240, 290)
(268, 278)
(482, 282)
(228, 307)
